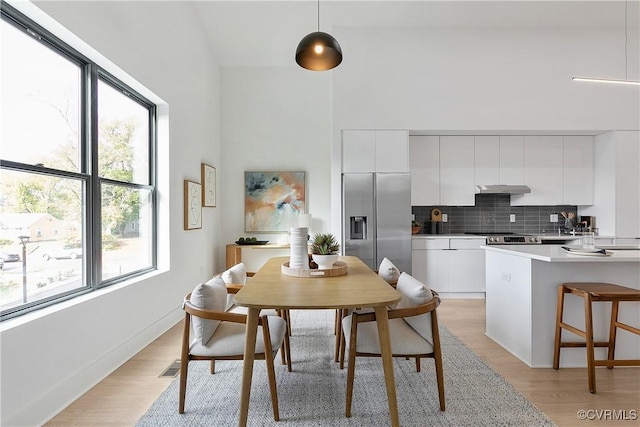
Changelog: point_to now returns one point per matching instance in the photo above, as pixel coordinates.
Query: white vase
(325, 262)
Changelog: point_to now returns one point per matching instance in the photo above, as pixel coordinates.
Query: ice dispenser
(358, 228)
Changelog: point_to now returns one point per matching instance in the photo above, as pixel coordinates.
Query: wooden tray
(339, 268)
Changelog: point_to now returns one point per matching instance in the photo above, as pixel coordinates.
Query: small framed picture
(208, 178)
(192, 205)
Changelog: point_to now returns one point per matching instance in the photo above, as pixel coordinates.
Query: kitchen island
(521, 295)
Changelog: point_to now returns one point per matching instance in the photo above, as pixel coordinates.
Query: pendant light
(626, 80)
(318, 51)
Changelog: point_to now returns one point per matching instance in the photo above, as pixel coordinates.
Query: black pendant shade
(318, 52)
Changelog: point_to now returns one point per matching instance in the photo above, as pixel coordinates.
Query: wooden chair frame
(429, 307)
(285, 355)
(340, 341)
(186, 357)
(594, 292)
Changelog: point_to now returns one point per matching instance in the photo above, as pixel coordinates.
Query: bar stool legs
(594, 292)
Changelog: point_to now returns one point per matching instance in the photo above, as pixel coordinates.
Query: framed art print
(192, 205)
(208, 179)
(273, 200)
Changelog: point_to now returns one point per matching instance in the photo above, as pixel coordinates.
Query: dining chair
(413, 327)
(388, 271)
(235, 277)
(220, 335)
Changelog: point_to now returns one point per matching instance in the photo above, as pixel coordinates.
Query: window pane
(49, 211)
(123, 136)
(40, 103)
(126, 230)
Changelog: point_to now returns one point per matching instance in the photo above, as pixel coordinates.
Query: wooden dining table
(359, 287)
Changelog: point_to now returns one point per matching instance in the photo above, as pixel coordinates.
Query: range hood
(502, 189)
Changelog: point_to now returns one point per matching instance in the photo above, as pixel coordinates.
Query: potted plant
(415, 227)
(324, 250)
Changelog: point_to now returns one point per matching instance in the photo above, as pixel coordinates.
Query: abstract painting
(273, 200)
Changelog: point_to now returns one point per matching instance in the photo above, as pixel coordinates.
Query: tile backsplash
(491, 213)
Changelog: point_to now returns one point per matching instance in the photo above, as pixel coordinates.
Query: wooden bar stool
(594, 292)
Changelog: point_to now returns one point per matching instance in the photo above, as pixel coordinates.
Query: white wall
(51, 357)
(482, 79)
(275, 119)
(617, 184)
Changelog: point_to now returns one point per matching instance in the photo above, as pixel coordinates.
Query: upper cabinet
(542, 171)
(424, 165)
(375, 151)
(559, 170)
(578, 170)
(511, 160)
(457, 155)
(487, 160)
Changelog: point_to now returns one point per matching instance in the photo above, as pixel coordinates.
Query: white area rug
(314, 393)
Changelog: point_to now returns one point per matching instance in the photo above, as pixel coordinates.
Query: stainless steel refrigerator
(376, 218)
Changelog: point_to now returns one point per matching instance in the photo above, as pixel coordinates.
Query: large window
(77, 172)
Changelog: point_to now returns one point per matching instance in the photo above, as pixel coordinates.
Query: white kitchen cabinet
(454, 267)
(457, 187)
(375, 151)
(512, 160)
(578, 170)
(466, 268)
(424, 166)
(543, 170)
(487, 160)
(358, 151)
(392, 151)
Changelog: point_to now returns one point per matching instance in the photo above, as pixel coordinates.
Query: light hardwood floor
(126, 394)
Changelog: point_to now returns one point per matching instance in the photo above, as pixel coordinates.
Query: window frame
(90, 73)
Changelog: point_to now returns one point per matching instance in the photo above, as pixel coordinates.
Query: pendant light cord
(626, 60)
(319, 16)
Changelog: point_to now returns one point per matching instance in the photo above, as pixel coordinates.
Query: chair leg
(184, 366)
(417, 364)
(213, 366)
(588, 321)
(286, 347)
(612, 332)
(437, 357)
(337, 330)
(558, 339)
(283, 350)
(343, 345)
(184, 363)
(271, 374)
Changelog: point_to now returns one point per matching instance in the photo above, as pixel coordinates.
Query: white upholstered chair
(388, 271)
(413, 326)
(236, 277)
(220, 335)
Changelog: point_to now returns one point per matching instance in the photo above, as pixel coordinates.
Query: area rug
(314, 393)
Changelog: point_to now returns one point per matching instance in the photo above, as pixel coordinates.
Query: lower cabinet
(454, 267)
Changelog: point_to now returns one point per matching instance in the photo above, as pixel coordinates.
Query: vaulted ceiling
(266, 33)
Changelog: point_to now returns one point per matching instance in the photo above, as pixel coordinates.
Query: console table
(254, 256)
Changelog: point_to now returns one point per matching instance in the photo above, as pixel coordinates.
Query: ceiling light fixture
(626, 80)
(318, 51)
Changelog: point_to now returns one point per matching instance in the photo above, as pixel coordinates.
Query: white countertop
(555, 253)
(447, 236)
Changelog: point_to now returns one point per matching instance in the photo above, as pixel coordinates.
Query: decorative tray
(257, 242)
(339, 268)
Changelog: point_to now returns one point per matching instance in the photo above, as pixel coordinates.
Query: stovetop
(508, 238)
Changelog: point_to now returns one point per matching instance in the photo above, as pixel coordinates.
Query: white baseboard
(48, 405)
